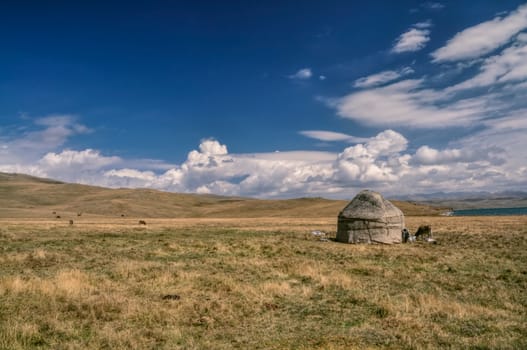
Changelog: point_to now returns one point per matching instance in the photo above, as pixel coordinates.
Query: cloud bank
(408, 103)
(382, 162)
(482, 38)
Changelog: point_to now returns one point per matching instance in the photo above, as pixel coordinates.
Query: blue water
(491, 211)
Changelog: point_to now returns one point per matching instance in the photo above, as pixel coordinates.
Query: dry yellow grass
(261, 283)
(27, 197)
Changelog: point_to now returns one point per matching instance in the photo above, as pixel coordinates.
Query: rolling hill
(23, 196)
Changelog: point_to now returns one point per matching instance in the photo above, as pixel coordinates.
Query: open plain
(259, 283)
(210, 272)
(188, 175)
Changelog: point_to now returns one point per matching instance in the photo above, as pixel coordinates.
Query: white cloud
(424, 24)
(381, 162)
(212, 147)
(377, 161)
(507, 133)
(407, 103)
(517, 121)
(302, 74)
(331, 136)
(277, 174)
(52, 133)
(491, 154)
(132, 174)
(130, 178)
(433, 5)
(387, 142)
(57, 130)
(87, 159)
(428, 156)
(69, 164)
(412, 40)
(18, 168)
(482, 38)
(310, 156)
(382, 78)
(508, 66)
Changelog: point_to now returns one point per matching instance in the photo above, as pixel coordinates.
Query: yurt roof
(369, 205)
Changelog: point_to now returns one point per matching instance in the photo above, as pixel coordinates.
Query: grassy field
(260, 284)
(24, 197)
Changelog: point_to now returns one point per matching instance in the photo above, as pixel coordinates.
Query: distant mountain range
(464, 196)
(471, 200)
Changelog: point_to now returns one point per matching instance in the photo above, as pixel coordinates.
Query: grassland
(261, 283)
(28, 197)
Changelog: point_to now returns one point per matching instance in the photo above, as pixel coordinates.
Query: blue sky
(267, 99)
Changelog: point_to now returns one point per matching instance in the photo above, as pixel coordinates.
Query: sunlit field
(263, 283)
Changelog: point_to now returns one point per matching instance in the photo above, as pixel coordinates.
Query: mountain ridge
(471, 200)
(28, 196)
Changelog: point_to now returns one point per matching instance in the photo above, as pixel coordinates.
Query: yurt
(369, 218)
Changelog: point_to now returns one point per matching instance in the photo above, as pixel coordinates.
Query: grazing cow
(79, 214)
(122, 215)
(424, 230)
(58, 216)
(71, 222)
(142, 222)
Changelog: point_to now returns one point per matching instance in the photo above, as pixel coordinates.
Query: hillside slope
(27, 196)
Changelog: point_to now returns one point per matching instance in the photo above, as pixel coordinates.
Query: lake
(490, 211)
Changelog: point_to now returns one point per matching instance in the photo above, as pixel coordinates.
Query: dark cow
(142, 222)
(71, 222)
(425, 231)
